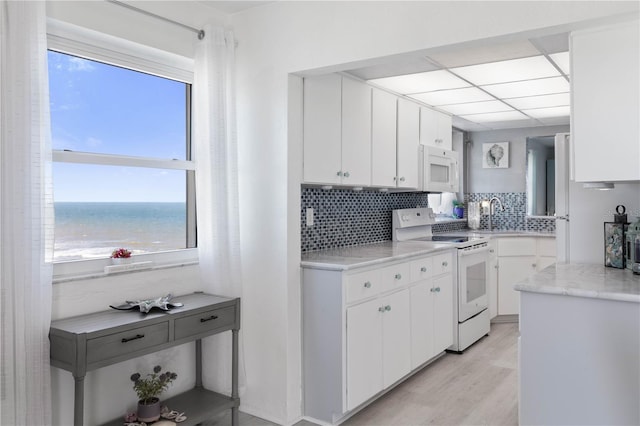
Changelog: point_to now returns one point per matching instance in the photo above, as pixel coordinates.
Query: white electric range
(471, 302)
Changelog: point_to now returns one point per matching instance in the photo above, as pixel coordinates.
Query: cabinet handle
(495, 266)
(346, 174)
(381, 309)
(387, 308)
(423, 269)
(212, 317)
(128, 339)
(402, 179)
(398, 276)
(339, 174)
(533, 265)
(445, 264)
(367, 285)
(438, 289)
(395, 178)
(432, 290)
(491, 251)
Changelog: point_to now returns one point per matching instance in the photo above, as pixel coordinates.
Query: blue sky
(105, 109)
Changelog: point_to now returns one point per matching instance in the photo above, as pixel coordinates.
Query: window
(122, 172)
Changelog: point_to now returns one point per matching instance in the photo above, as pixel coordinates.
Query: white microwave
(438, 169)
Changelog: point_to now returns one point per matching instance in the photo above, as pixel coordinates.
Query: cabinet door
(396, 337)
(444, 130)
(364, 352)
(421, 323)
(383, 139)
(322, 129)
(510, 271)
(443, 313)
(428, 127)
(356, 133)
(408, 142)
(605, 104)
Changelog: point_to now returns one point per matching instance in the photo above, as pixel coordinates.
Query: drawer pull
(212, 317)
(367, 285)
(387, 308)
(128, 339)
(423, 269)
(437, 289)
(381, 309)
(398, 277)
(445, 264)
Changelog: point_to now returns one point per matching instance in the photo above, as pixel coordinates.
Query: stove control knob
(405, 217)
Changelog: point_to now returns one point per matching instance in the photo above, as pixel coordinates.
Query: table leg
(78, 401)
(234, 376)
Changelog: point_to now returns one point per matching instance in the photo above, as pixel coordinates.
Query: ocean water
(94, 230)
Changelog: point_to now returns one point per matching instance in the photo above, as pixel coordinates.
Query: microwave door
(439, 174)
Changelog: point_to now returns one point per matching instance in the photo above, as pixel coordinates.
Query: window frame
(92, 45)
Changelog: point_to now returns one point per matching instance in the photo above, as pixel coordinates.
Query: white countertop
(346, 258)
(499, 233)
(585, 280)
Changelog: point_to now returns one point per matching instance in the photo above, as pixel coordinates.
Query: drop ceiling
(523, 83)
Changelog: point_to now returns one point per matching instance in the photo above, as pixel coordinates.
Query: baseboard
(505, 318)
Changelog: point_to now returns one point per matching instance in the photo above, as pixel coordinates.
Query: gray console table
(88, 342)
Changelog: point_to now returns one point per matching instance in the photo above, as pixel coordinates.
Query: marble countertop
(584, 280)
(346, 258)
(499, 233)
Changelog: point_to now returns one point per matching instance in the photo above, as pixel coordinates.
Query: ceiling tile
(563, 111)
(542, 101)
(421, 82)
(562, 60)
(476, 108)
(543, 86)
(485, 53)
(495, 116)
(508, 71)
(453, 96)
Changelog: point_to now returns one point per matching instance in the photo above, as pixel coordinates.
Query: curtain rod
(162, 18)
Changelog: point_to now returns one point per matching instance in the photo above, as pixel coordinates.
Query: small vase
(149, 412)
(120, 260)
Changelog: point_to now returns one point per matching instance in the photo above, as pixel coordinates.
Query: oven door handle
(463, 252)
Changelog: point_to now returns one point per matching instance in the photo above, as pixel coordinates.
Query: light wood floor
(479, 387)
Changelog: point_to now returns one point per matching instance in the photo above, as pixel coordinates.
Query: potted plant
(121, 255)
(149, 390)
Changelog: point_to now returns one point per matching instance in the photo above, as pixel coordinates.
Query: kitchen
(276, 42)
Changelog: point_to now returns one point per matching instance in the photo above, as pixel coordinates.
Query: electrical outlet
(309, 216)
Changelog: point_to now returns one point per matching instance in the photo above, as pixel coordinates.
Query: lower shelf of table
(198, 404)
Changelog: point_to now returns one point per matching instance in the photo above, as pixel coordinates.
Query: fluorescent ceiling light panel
(453, 96)
(542, 101)
(543, 86)
(563, 111)
(562, 60)
(495, 116)
(476, 108)
(508, 71)
(421, 82)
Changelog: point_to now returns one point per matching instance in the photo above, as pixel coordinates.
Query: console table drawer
(128, 341)
(206, 321)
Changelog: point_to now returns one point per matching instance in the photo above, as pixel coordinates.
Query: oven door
(473, 280)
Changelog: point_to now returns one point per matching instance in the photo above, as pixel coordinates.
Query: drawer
(546, 246)
(395, 276)
(442, 263)
(204, 322)
(126, 342)
(363, 284)
(421, 269)
(516, 246)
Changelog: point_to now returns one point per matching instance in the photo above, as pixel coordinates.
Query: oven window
(439, 173)
(476, 281)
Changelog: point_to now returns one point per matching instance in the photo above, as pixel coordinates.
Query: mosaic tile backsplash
(346, 218)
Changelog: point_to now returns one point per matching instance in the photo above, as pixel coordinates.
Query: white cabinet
(435, 129)
(605, 104)
(383, 139)
(408, 159)
(337, 131)
(519, 258)
(367, 328)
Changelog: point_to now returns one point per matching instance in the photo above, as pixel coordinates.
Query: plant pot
(149, 412)
(120, 260)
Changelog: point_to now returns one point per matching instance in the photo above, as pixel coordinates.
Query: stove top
(444, 238)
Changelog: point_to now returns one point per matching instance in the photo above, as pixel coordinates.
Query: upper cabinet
(605, 128)
(361, 136)
(337, 131)
(435, 129)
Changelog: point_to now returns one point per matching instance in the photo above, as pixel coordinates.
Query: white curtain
(215, 153)
(26, 214)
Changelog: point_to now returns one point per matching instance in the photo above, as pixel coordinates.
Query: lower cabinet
(366, 329)
(519, 258)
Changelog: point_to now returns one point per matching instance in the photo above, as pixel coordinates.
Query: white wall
(277, 39)
(280, 38)
(512, 179)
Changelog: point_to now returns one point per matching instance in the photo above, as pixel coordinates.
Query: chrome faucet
(491, 210)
